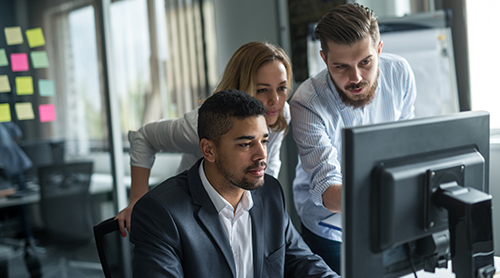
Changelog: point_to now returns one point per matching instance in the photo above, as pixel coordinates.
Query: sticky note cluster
(20, 63)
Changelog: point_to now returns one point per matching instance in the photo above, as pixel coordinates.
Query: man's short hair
(347, 24)
(216, 114)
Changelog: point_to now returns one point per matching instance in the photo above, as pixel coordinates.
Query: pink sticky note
(19, 61)
(47, 113)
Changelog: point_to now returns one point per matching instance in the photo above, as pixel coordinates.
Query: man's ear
(379, 49)
(208, 149)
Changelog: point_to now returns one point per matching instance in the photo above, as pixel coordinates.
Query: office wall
(239, 22)
(386, 8)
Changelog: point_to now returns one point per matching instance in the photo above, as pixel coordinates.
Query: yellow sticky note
(24, 111)
(13, 35)
(24, 85)
(4, 84)
(5, 112)
(35, 37)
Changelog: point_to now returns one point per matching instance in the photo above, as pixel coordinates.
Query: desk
(103, 183)
(25, 200)
(100, 183)
(447, 273)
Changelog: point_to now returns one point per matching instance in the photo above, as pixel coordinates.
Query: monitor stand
(470, 225)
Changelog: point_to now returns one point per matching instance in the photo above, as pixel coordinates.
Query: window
(484, 42)
(79, 104)
(160, 66)
(131, 56)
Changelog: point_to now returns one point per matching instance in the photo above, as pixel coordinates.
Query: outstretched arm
(176, 135)
(317, 137)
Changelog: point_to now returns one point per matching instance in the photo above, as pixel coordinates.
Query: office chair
(115, 251)
(66, 207)
(40, 154)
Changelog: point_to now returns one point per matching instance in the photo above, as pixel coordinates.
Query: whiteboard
(430, 56)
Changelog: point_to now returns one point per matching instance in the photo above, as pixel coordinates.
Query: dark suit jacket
(178, 233)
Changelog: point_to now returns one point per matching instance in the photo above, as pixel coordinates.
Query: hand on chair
(124, 219)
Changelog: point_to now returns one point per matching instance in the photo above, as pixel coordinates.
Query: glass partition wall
(77, 75)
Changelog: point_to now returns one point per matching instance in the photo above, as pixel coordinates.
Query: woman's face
(272, 85)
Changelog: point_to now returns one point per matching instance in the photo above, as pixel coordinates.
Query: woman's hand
(124, 219)
(138, 188)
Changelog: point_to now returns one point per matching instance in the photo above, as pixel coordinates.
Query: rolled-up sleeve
(176, 135)
(316, 143)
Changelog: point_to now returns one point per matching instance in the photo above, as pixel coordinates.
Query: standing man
(360, 86)
(224, 217)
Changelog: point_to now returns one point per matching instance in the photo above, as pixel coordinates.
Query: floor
(56, 261)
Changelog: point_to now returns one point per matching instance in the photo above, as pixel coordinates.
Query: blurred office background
(110, 66)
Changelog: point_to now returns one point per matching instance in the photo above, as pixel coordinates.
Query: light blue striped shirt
(318, 117)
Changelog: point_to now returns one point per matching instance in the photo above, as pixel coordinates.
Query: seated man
(224, 217)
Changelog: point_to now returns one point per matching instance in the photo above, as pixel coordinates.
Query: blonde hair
(241, 70)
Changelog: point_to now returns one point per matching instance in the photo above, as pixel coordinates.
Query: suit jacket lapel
(258, 234)
(208, 216)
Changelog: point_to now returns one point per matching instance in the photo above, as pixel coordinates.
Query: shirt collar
(219, 202)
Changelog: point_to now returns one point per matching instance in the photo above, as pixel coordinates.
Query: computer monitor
(414, 195)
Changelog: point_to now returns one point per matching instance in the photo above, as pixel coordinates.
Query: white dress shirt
(238, 226)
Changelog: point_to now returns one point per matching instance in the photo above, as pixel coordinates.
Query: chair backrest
(115, 251)
(65, 200)
(40, 154)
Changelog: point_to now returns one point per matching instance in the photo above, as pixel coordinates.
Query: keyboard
(23, 193)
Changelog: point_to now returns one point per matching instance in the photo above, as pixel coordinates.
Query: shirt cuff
(320, 188)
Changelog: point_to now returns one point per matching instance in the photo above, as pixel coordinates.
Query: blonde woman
(262, 70)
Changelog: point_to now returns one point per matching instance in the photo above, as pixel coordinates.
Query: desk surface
(25, 200)
(100, 183)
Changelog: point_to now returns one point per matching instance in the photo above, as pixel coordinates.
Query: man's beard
(363, 100)
(243, 183)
